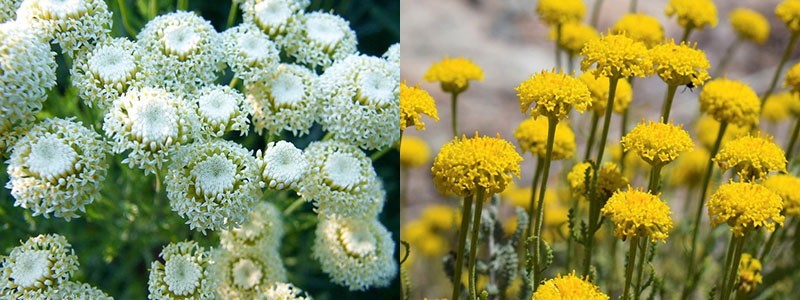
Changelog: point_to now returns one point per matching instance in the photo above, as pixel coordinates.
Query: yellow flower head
(610, 179)
(730, 101)
(695, 14)
(778, 106)
(640, 27)
(680, 64)
(414, 152)
(517, 195)
(454, 74)
(414, 102)
(690, 167)
(556, 12)
(745, 206)
(617, 56)
(749, 273)
(792, 80)
(752, 157)
(598, 87)
(554, 94)
(441, 217)
(464, 165)
(569, 287)
(638, 214)
(707, 129)
(573, 36)
(657, 143)
(421, 236)
(789, 12)
(786, 186)
(750, 25)
(532, 137)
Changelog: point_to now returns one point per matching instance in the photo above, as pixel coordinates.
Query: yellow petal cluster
(638, 214)
(573, 36)
(532, 137)
(749, 25)
(752, 157)
(730, 101)
(749, 273)
(617, 56)
(707, 128)
(745, 206)
(569, 287)
(641, 27)
(789, 12)
(423, 239)
(454, 74)
(598, 87)
(694, 14)
(778, 106)
(414, 152)
(556, 12)
(554, 94)
(610, 179)
(792, 80)
(788, 187)
(657, 143)
(414, 102)
(690, 168)
(464, 165)
(680, 64)
(441, 217)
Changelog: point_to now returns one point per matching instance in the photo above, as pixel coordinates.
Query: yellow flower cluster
(610, 179)
(638, 214)
(680, 64)
(573, 36)
(616, 56)
(690, 167)
(598, 87)
(730, 101)
(779, 106)
(749, 273)
(657, 143)
(752, 157)
(749, 25)
(427, 234)
(464, 165)
(556, 12)
(707, 128)
(694, 14)
(789, 12)
(745, 206)
(786, 186)
(554, 94)
(454, 74)
(414, 102)
(532, 137)
(414, 152)
(792, 80)
(569, 287)
(640, 27)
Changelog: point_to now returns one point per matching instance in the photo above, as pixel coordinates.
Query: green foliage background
(124, 231)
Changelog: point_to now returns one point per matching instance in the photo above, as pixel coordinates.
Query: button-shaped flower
(467, 164)
(568, 287)
(730, 101)
(745, 206)
(616, 56)
(532, 137)
(637, 213)
(749, 25)
(657, 143)
(414, 102)
(752, 157)
(640, 27)
(184, 274)
(39, 263)
(680, 64)
(693, 14)
(454, 74)
(554, 95)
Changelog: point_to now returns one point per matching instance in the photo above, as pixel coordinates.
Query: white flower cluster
(320, 39)
(286, 100)
(183, 275)
(393, 53)
(72, 290)
(283, 166)
(57, 167)
(250, 53)
(104, 74)
(221, 109)
(74, 24)
(274, 17)
(8, 10)
(283, 291)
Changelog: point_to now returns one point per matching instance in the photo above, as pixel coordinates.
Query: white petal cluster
(183, 275)
(273, 17)
(72, 290)
(341, 181)
(57, 167)
(107, 72)
(41, 262)
(249, 52)
(264, 229)
(182, 50)
(393, 53)
(283, 165)
(150, 123)
(243, 272)
(213, 185)
(75, 24)
(284, 101)
(360, 101)
(27, 72)
(283, 291)
(221, 109)
(8, 10)
(356, 253)
(320, 39)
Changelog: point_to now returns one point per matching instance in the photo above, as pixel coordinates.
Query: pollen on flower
(636, 213)
(532, 137)
(414, 102)
(751, 157)
(658, 143)
(693, 14)
(569, 286)
(640, 27)
(467, 164)
(599, 87)
(554, 95)
(749, 25)
(616, 56)
(680, 64)
(454, 74)
(745, 206)
(730, 101)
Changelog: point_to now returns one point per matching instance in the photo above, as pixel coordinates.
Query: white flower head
(8, 10)
(341, 181)
(57, 167)
(41, 262)
(249, 52)
(355, 253)
(213, 184)
(264, 230)
(244, 272)
(284, 101)
(183, 275)
(283, 291)
(273, 17)
(283, 165)
(150, 123)
(27, 72)
(320, 39)
(75, 24)
(72, 290)
(107, 72)
(393, 53)
(221, 109)
(360, 96)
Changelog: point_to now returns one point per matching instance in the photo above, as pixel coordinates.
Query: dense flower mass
(792, 79)
(107, 72)
(184, 274)
(749, 271)
(558, 12)
(414, 152)
(283, 165)
(320, 39)
(658, 143)
(8, 10)
(75, 25)
(283, 291)
(730, 101)
(573, 36)
(568, 287)
(786, 186)
(454, 74)
(609, 180)
(71, 290)
(752, 157)
(599, 87)
(779, 106)
(249, 52)
(616, 56)
(554, 95)
(638, 214)
(693, 14)
(393, 53)
(750, 25)
(414, 102)
(532, 137)
(263, 230)
(744, 207)
(221, 109)
(39, 263)
(244, 272)
(680, 64)
(465, 165)
(789, 12)
(640, 27)
(286, 100)
(274, 17)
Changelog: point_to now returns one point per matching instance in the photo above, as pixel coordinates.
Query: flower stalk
(551, 133)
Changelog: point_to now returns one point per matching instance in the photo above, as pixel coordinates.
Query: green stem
(686, 32)
(726, 58)
(153, 9)
(734, 267)
(640, 268)
(454, 110)
(768, 246)
(596, 12)
(558, 46)
(126, 23)
(671, 88)
(629, 267)
(793, 140)
(466, 212)
(728, 260)
(232, 14)
(785, 58)
(292, 207)
(552, 121)
(655, 177)
(183, 4)
(532, 203)
(473, 244)
(623, 130)
(592, 130)
(570, 62)
(233, 82)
